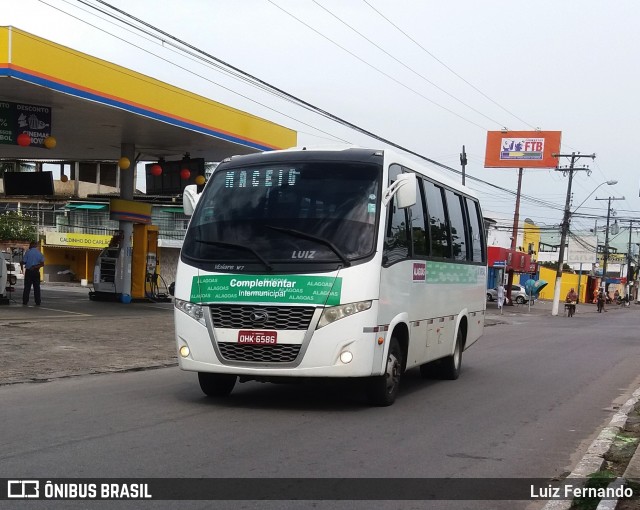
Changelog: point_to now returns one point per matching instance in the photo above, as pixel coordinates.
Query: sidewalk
(541, 307)
(72, 336)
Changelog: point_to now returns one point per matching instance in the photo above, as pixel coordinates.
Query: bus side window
(396, 239)
(458, 225)
(476, 234)
(438, 226)
(396, 242)
(419, 233)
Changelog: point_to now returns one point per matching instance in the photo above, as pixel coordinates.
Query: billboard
(581, 250)
(522, 149)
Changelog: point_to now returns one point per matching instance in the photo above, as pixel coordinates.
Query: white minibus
(329, 263)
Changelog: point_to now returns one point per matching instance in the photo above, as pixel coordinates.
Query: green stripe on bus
(314, 290)
(443, 272)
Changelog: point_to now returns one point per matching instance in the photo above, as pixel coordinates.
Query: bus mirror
(190, 198)
(405, 189)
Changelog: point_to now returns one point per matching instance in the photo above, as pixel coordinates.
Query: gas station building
(96, 120)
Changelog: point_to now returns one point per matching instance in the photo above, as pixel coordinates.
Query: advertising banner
(522, 149)
(17, 118)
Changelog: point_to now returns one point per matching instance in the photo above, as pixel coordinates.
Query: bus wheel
(216, 385)
(450, 366)
(382, 390)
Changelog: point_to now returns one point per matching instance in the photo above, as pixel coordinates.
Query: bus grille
(283, 353)
(278, 317)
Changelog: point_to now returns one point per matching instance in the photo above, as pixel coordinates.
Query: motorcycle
(623, 301)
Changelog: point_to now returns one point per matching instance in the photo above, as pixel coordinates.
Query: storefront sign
(79, 240)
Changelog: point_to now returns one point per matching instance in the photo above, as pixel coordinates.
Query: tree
(15, 226)
(554, 265)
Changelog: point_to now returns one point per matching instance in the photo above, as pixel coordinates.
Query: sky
(427, 75)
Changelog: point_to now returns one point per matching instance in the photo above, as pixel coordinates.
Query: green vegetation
(15, 226)
(599, 479)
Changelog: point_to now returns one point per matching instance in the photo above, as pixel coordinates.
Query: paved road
(533, 394)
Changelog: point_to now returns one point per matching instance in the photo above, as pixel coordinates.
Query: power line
(406, 66)
(191, 57)
(447, 67)
(404, 85)
(178, 43)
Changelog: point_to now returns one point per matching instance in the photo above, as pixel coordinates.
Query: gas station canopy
(96, 106)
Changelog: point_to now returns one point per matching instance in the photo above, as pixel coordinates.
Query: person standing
(572, 298)
(33, 261)
(601, 300)
(500, 297)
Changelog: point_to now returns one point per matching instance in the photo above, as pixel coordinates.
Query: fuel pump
(108, 274)
(145, 264)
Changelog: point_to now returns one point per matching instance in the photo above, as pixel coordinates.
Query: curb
(593, 460)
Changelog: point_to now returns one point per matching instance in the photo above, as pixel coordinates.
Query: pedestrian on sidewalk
(33, 262)
(500, 297)
(571, 300)
(601, 300)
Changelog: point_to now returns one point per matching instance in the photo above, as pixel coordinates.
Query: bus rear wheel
(382, 390)
(216, 385)
(450, 366)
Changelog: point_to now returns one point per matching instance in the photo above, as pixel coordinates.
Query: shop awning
(173, 210)
(93, 207)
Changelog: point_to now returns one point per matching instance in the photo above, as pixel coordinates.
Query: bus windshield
(289, 213)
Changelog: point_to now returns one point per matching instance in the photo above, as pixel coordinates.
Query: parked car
(518, 294)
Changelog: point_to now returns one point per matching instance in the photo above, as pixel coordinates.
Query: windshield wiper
(322, 240)
(232, 245)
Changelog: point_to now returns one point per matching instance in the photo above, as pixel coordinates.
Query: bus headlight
(335, 313)
(191, 309)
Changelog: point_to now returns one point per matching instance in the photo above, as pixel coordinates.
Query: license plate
(258, 337)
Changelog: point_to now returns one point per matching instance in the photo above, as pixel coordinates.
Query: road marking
(64, 312)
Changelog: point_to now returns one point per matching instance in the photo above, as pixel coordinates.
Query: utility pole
(514, 237)
(629, 268)
(463, 162)
(565, 221)
(605, 256)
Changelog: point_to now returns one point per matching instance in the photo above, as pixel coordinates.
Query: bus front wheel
(382, 390)
(216, 385)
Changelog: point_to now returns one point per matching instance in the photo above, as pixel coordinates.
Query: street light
(608, 183)
(563, 240)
